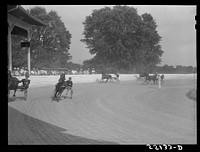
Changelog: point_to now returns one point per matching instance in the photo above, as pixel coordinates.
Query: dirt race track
(127, 112)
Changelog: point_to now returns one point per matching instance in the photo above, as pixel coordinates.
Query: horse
(143, 74)
(12, 84)
(106, 76)
(116, 77)
(149, 78)
(58, 92)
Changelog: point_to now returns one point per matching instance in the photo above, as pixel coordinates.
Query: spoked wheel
(71, 93)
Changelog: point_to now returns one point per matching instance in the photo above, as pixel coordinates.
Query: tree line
(119, 39)
(179, 69)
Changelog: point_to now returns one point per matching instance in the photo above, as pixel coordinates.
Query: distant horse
(143, 74)
(106, 77)
(12, 84)
(149, 78)
(116, 77)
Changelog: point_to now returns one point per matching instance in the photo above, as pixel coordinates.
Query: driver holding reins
(61, 80)
(69, 85)
(25, 82)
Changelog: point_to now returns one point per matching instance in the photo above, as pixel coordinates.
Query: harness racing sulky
(13, 84)
(148, 78)
(105, 78)
(60, 87)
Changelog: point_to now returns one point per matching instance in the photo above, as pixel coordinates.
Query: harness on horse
(61, 86)
(25, 84)
(106, 76)
(149, 78)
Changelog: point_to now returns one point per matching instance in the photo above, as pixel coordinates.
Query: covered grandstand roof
(18, 11)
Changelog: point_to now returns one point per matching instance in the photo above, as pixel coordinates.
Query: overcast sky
(176, 26)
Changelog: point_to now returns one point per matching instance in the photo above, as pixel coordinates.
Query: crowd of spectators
(35, 71)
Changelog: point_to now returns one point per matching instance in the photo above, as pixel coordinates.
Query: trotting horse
(143, 74)
(116, 77)
(12, 84)
(59, 90)
(149, 78)
(106, 76)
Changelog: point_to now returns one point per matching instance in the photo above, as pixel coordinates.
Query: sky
(176, 26)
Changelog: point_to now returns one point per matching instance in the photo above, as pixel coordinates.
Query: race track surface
(127, 112)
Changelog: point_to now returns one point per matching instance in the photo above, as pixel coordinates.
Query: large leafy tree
(49, 45)
(120, 38)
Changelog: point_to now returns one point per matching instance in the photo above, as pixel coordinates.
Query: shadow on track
(23, 129)
(12, 99)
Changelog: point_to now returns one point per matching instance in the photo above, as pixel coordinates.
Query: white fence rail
(37, 81)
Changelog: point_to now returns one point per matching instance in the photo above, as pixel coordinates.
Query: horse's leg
(25, 94)
(60, 92)
(55, 95)
(71, 92)
(14, 92)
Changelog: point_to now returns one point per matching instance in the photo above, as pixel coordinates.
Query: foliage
(178, 70)
(49, 45)
(122, 39)
(73, 66)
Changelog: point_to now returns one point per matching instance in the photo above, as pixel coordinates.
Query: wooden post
(9, 49)
(29, 54)
(10, 28)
